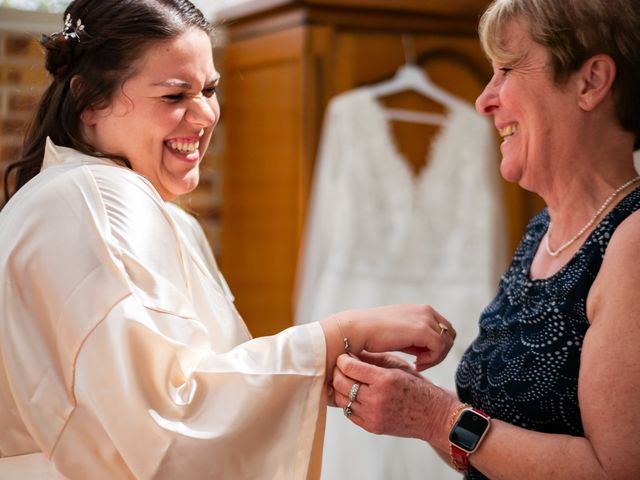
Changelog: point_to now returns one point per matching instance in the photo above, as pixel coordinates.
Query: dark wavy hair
(89, 64)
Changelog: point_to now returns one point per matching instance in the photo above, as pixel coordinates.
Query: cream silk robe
(121, 353)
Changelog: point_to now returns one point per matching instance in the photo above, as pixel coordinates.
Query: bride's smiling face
(162, 117)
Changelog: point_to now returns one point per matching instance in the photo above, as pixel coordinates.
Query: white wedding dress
(378, 234)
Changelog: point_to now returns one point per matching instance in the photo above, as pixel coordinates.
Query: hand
(383, 360)
(392, 401)
(388, 360)
(415, 329)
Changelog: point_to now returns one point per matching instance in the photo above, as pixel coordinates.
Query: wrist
(346, 345)
(334, 344)
(439, 434)
(340, 338)
(352, 330)
(437, 404)
(469, 427)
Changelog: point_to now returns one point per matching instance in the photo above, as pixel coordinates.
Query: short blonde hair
(573, 31)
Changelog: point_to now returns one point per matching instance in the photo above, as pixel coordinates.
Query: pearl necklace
(555, 253)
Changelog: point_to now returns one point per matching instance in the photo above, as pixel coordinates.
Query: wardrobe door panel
(263, 104)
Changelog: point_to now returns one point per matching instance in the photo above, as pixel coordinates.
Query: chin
(179, 189)
(188, 187)
(510, 172)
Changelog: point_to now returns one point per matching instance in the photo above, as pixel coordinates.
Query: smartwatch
(465, 436)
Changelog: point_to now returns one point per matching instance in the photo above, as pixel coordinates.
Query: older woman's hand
(388, 360)
(384, 360)
(391, 401)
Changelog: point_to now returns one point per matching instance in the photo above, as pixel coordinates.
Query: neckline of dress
(434, 153)
(580, 252)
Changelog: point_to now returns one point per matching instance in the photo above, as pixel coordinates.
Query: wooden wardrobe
(282, 63)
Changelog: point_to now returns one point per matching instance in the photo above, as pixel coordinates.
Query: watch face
(468, 430)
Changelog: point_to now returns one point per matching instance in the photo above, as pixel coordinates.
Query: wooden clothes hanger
(411, 77)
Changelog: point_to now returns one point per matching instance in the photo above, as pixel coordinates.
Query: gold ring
(347, 410)
(443, 328)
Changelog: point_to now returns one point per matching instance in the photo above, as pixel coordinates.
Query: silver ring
(353, 393)
(347, 410)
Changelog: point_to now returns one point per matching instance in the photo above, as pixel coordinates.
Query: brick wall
(23, 79)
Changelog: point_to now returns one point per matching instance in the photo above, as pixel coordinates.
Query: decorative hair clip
(71, 31)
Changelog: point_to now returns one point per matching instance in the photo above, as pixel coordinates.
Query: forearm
(510, 452)
(507, 452)
(334, 342)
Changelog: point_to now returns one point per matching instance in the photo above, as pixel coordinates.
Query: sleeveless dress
(523, 366)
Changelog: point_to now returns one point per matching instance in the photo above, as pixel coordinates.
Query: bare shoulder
(618, 278)
(624, 245)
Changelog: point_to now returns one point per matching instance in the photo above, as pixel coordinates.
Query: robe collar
(55, 155)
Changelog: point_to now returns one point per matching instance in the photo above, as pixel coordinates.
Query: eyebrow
(182, 84)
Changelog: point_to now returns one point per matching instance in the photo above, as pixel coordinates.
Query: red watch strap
(460, 459)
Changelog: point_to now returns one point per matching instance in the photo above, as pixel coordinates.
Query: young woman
(121, 354)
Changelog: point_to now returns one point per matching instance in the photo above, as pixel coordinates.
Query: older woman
(548, 388)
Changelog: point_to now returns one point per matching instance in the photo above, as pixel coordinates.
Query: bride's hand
(415, 329)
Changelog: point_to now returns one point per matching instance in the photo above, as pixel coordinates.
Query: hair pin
(71, 31)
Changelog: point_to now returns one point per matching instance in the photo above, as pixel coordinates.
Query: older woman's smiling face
(534, 115)
(162, 118)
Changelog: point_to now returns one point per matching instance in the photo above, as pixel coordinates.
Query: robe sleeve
(113, 373)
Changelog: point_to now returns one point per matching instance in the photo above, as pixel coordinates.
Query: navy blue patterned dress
(523, 366)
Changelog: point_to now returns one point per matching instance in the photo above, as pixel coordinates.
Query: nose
(487, 102)
(203, 112)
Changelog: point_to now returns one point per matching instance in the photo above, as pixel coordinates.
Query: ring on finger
(347, 410)
(443, 328)
(353, 393)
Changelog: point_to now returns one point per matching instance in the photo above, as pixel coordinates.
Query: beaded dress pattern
(523, 366)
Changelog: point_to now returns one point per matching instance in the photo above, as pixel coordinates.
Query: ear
(88, 115)
(595, 78)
